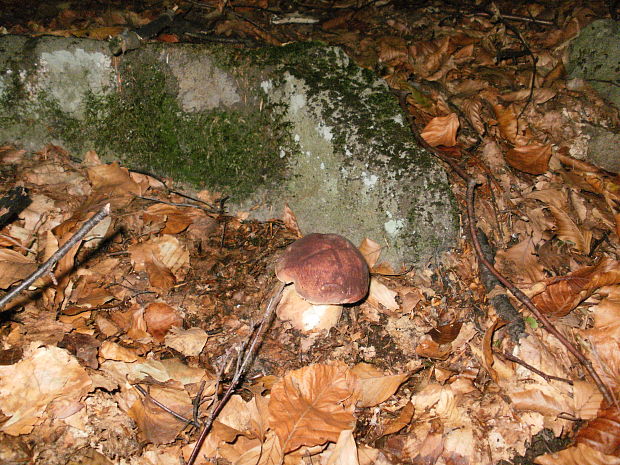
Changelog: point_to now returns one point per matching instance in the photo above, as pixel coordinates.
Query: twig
(520, 296)
(544, 375)
(61, 252)
(176, 204)
(243, 367)
(211, 208)
(176, 415)
(525, 300)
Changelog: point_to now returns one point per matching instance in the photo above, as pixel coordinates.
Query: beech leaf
(312, 405)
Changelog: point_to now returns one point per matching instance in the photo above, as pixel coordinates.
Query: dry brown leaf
(189, 342)
(428, 348)
(564, 293)
(603, 433)
(44, 376)
(580, 454)
(374, 386)
(380, 294)
(540, 95)
(112, 351)
(155, 424)
(588, 399)
(175, 219)
(405, 415)
(604, 337)
(473, 110)
(10, 155)
(487, 348)
(532, 159)
(312, 405)
(441, 130)
(14, 267)
(114, 183)
(345, 452)
(519, 263)
(267, 453)
(370, 250)
(566, 228)
(164, 258)
(159, 318)
(541, 398)
(290, 221)
(509, 126)
(444, 334)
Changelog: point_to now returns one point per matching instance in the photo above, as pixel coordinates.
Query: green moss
(234, 151)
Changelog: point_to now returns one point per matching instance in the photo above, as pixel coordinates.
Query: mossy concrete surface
(299, 124)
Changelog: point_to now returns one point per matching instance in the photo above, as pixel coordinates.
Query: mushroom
(327, 271)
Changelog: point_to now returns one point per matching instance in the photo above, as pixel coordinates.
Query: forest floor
(121, 354)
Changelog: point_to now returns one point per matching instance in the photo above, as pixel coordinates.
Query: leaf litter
(121, 354)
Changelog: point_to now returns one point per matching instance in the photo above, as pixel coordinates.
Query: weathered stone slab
(300, 124)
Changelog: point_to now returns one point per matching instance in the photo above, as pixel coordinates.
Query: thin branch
(61, 252)
(525, 300)
(243, 367)
(542, 374)
(176, 415)
(520, 296)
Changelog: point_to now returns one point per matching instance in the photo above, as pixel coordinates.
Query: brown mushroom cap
(326, 269)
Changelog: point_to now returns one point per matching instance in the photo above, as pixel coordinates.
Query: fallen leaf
(290, 221)
(189, 342)
(374, 386)
(532, 159)
(603, 432)
(345, 452)
(581, 454)
(312, 405)
(405, 415)
(112, 351)
(441, 130)
(155, 424)
(370, 250)
(14, 267)
(28, 387)
(159, 318)
(379, 294)
(267, 453)
(564, 293)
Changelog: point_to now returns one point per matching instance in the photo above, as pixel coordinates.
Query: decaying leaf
(532, 159)
(189, 342)
(581, 454)
(564, 293)
(370, 250)
(155, 424)
(312, 405)
(345, 452)
(441, 130)
(374, 386)
(159, 318)
(380, 295)
(45, 375)
(14, 267)
(290, 221)
(403, 419)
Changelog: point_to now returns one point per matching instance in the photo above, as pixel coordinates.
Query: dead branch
(519, 295)
(61, 252)
(245, 361)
